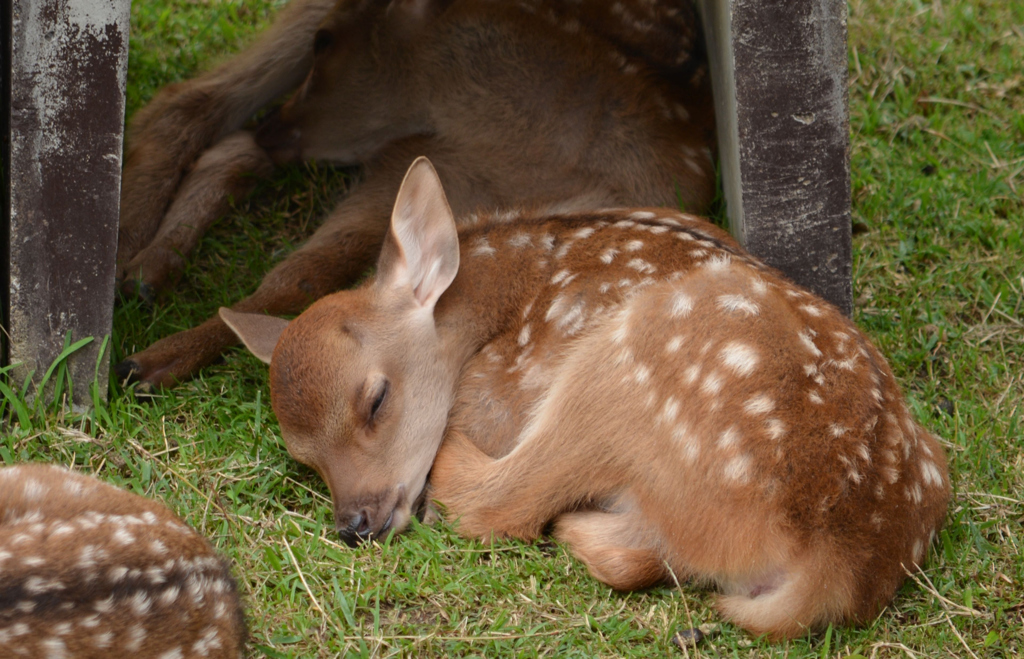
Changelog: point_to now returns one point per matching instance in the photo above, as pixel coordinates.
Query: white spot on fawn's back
(728, 439)
(737, 468)
(775, 428)
(670, 411)
(931, 474)
(682, 305)
(33, 489)
(686, 441)
(559, 276)
(482, 248)
(811, 310)
(807, 339)
(524, 335)
(740, 357)
(520, 240)
(717, 263)
(712, 383)
(738, 303)
(55, 648)
(759, 404)
(642, 266)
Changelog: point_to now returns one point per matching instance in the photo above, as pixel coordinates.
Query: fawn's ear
(257, 331)
(421, 250)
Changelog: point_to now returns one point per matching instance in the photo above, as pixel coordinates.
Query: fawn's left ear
(257, 331)
(421, 250)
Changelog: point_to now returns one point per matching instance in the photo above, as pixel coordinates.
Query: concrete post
(779, 70)
(64, 116)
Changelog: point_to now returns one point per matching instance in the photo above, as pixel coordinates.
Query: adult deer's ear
(421, 250)
(257, 331)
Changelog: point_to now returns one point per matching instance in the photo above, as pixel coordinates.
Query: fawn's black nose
(358, 529)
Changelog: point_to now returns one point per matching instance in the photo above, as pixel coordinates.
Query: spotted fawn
(668, 403)
(91, 571)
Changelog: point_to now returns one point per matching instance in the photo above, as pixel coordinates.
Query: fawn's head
(359, 382)
(346, 108)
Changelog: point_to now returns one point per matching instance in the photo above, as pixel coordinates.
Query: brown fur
(91, 571)
(635, 378)
(551, 104)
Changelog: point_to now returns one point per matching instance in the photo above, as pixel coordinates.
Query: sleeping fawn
(91, 571)
(669, 403)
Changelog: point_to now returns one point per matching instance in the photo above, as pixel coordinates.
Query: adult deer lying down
(634, 378)
(555, 104)
(91, 571)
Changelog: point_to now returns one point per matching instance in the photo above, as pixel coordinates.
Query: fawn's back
(88, 570)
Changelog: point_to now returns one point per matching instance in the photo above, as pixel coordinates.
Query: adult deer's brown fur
(551, 104)
(634, 378)
(91, 571)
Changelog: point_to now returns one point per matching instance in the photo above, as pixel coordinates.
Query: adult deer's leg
(228, 170)
(184, 119)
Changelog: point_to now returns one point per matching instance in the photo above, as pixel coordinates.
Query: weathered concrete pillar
(779, 69)
(63, 121)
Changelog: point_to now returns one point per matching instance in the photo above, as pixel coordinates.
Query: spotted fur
(91, 571)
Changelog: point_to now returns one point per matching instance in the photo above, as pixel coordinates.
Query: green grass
(937, 121)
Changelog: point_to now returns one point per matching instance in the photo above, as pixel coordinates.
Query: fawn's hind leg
(615, 546)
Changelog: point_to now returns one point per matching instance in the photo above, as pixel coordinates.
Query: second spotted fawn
(633, 377)
(90, 571)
